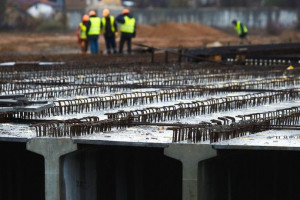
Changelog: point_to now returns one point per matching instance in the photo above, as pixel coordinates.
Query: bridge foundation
(190, 155)
(52, 149)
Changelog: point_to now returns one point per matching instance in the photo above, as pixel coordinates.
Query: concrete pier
(52, 149)
(177, 172)
(190, 155)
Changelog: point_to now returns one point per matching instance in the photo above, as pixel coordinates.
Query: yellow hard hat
(85, 18)
(92, 13)
(291, 67)
(125, 11)
(105, 12)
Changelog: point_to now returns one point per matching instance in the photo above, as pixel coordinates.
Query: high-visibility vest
(128, 26)
(82, 31)
(112, 22)
(240, 28)
(95, 26)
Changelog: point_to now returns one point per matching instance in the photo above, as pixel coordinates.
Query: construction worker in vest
(93, 31)
(109, 30)
(127, 28)
(241, 30)
(81, 34)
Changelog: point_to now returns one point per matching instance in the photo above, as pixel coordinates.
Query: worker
(241, 30)
(109, 30)
(93, 31)
(127, 28)
(81, 34)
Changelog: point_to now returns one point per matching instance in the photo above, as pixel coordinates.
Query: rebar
(253, 123)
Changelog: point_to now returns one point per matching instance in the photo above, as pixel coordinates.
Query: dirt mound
(200, 29)
(174, 34)
(144, 30)
(175, 30)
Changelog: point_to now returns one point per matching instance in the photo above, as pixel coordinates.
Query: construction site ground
(162, 35)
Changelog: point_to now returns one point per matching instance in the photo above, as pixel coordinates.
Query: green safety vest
(82, 31)
(95, 26)
(240, 28)
(112, 22)
(128, 26)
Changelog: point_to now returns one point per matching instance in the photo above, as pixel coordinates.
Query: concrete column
(190, 155)
(51, 149)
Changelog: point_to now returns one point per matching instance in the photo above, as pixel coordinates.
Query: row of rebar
(95, 74)
(58, 92)
(171, 78)
(88, 104)
(270, 62)
(201, 132)
(79, 127)
(79, 90)
(216, 131)
(213, 105)
(19, 72)
(263, 84)
(180, 110)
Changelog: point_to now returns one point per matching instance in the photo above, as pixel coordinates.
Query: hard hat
(125, 11)
(291, 67)
(92, 13)
(85, 18)
(105, 12)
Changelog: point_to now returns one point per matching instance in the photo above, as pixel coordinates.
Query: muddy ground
(163, 35)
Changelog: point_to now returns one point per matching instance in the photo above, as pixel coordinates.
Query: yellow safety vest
(128, 26)
(82, 31)
(95, 26)
(112, 22)
(240, 29)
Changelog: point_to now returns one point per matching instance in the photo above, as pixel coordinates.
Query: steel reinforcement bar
(88, 104)
(213, 105)
(113, 79)
(78, 127)
(81, 89)
(249, 124)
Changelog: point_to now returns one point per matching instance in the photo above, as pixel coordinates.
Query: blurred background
(176, 20)
(66, 14)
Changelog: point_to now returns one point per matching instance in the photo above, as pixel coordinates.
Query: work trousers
(110, 42)
(125, 37)
(84, 44)
(243, 35)
(94, 44)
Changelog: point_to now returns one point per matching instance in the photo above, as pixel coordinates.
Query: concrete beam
(190, 155)
(52, 149)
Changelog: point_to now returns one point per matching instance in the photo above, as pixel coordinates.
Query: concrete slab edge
(13, 139)
(118, 143)
(271, 148)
